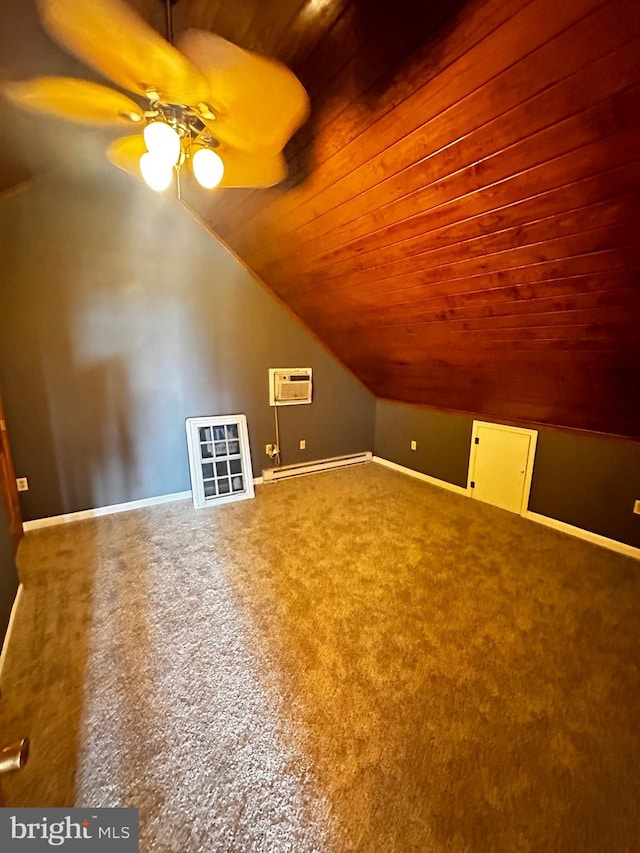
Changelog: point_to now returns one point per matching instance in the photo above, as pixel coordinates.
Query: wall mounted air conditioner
(289, 386)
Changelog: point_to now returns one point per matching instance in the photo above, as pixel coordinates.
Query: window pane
(219, 459)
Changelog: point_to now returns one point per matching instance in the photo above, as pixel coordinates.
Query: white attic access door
(501, 465)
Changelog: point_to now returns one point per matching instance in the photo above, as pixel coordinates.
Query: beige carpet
(354, 661)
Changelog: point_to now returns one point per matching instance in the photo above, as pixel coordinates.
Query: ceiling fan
(226, 112)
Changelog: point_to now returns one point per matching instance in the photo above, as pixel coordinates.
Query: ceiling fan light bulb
(162, 141)
(157, 173)
(208, 168)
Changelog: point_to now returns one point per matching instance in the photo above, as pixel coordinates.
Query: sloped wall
(465, 220)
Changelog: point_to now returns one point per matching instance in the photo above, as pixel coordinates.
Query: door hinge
(477, 440)
(473, 484)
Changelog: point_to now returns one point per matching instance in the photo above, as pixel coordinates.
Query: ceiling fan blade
(258, 103)
(125, 153)
(74, 100)
(246, 169)
(111, 38)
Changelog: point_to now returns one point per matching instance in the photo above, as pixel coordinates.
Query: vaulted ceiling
(460, 222)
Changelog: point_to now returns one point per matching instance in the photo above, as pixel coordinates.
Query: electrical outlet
(22, 483)
(303, 444)
(414, 445)
(636, 507)
(269, 450)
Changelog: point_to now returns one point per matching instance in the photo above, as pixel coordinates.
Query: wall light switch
(414, 445)
(303, 444)
(22, 484)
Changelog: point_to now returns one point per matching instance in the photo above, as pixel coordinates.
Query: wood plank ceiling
(460, 222)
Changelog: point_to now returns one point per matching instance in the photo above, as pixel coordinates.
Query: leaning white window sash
(219, 459)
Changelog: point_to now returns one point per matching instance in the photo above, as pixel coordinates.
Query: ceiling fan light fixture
(257, 103)
(208, 168)
(157, 173)
(163, 142)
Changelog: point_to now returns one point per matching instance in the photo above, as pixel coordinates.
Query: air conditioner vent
(289, 386)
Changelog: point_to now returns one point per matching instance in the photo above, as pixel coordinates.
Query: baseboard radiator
(270, 475)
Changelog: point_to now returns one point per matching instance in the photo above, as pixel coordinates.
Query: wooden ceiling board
(411, 107)
(460, 222)
(446, 164)
(468, 225)
(391, 168)
(357, 93)
(464, 220)
(427, 252)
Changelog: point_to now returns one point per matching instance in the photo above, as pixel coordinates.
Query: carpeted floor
(354, 661)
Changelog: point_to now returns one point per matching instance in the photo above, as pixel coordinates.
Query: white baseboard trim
(580, 533)
(7, 636)
(103, 510)
(52, 520)
(442, 484)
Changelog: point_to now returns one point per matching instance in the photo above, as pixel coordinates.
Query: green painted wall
(120, 316)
